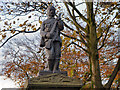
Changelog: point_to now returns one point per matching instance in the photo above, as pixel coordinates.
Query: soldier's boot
(56, 65)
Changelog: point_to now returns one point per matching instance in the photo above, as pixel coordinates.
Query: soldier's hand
(49, 35)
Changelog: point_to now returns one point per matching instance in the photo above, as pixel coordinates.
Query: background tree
(94, 34)
(91, 31)
(23, 59)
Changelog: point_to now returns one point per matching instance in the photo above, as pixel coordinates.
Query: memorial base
(43, 73)
(53, 81)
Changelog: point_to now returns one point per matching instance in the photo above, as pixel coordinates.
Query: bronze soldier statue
(50, 38)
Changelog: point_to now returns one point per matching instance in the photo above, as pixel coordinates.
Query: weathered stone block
(54, 81)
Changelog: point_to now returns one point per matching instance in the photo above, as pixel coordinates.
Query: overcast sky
(6, 83)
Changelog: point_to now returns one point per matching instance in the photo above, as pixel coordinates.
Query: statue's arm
(60, 25)
(42, 32)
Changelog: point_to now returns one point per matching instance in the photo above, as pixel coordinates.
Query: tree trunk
(96, 78)
(94, 59)
(93, 52)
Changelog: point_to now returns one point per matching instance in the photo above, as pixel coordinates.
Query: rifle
(55, 24)
(56, 62)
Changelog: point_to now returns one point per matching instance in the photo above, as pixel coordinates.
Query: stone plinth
(54, 81)
(43, 73)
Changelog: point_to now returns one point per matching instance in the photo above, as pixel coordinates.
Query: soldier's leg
(57, 48)
(50, 58)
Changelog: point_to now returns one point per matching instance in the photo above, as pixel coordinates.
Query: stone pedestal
(53, 81)
(43, 73)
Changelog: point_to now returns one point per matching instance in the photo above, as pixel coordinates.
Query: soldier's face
(51, 12)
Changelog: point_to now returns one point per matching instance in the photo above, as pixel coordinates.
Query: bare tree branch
(76, 24)
(17, 34)
(78, 32)
(108, 28)
(73, 18)
(80, 47)
(80, 15)
(96, 8)
(9, 39)
(22, 9)
(66, 47)
(79, 4)
(31, 31)
(22, 69)
(103, 42)
(111, 57)
(73, 38)
(107, 15)
(113, 75)
(32, 51)
(76, 45)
